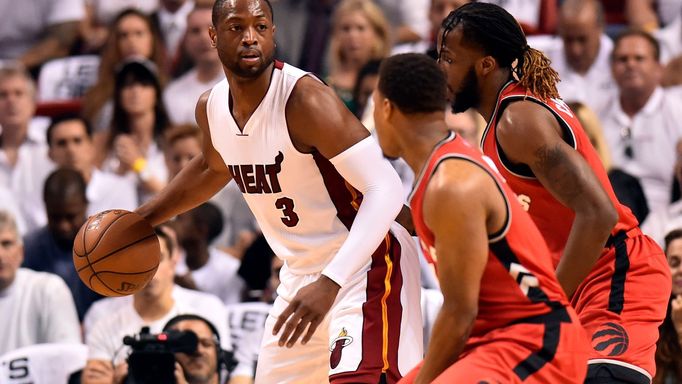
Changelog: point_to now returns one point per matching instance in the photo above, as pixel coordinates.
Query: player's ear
(486, 65)
(387, 108)
(212, 34)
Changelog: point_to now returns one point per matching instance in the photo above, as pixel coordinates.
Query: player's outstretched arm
(318, 121)
(203, 176)
(457, 210)
(530, 135)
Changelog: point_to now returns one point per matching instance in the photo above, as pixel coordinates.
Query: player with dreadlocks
(615, 276)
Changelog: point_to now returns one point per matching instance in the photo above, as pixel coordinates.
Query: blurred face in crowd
(70, 146)
(180, 152)
(581, 33)
(197, 41)
(356, 37)
(464, 124)
(162, 282)
(440, 9)
(17, 103)
(65, 217)
(634, 65)
(11, 256)
(244, 37)
(674, 254)
(134, 37)
(138, 97)
(199, 367)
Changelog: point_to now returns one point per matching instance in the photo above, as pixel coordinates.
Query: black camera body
(152, 359)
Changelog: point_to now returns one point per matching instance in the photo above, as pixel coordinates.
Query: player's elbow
(603, 216)
(463, 316)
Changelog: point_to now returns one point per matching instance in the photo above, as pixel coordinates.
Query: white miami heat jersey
(302, 204)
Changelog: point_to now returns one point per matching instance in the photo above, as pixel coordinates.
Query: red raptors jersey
(518, 281)
(553, 219)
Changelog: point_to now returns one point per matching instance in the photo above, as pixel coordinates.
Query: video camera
(152, 359)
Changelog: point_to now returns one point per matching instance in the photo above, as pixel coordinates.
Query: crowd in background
(97, 104)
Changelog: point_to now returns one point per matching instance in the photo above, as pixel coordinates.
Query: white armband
(365, 168)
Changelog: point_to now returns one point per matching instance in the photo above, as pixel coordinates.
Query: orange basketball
(116, 253)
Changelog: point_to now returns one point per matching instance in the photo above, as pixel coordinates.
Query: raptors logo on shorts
(610, 339)
(337, 346)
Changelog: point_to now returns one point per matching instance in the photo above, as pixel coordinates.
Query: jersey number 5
(290, 218)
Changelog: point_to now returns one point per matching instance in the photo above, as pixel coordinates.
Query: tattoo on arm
(561, 174)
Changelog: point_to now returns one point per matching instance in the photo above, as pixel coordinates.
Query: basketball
(116, 253)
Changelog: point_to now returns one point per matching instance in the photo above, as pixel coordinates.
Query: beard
(250, 72)
(467, 96)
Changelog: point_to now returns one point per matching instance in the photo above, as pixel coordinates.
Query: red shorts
(550, 352)
(621, 303)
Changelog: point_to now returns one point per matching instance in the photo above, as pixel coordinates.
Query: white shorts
(374, 328)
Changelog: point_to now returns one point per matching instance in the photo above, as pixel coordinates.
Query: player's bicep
(318, 119)
(531, 136)
(209, 157)
(456, 214)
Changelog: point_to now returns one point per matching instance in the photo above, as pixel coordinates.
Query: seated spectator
(206, 365)
(205, 267)
(409, 23)
(131, 148)
(171, 20)
(365, 84)
(465, 124)
(35, 31)
(672, 73)
(581, 54)
(537, 17)
(132, 35)
(100, 15)
(50, 248)
(438, 11)
(669, 346)
(7, 203)
(23, 154)
(35, 307)
(69, 139)
(153, 307)
(182, 143)
(592, 126)
(44, 363)
(359, 34)
(180, 95)
(642, 122)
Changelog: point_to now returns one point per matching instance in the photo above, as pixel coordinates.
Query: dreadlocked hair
(498, 34)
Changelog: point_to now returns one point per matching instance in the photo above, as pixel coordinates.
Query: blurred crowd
(97, 104)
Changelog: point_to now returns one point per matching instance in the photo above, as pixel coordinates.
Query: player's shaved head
(222, 7)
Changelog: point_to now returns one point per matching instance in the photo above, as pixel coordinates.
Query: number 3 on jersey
(290, 218)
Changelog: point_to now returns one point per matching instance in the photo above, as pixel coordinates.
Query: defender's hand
(306, 310)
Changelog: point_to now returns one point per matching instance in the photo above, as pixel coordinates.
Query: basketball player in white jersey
(325, 199)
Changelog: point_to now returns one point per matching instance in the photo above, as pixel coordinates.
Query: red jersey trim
(417, 180)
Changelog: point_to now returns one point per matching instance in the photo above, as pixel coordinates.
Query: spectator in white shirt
(34, 31)
(207, 70)
(35, 307)
(153, 306)
(581, 54)
(204, 267)
(70, 144)
(23, 155)
(171, 19)
(642, 123)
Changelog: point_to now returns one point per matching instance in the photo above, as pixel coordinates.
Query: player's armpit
(318, 120)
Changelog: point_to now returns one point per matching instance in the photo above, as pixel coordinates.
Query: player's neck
(418, 144)
(490, 88)
(249, 90)
(152, 308)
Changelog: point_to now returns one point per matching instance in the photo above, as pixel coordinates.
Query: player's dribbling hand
(306, 310)
(676, 314)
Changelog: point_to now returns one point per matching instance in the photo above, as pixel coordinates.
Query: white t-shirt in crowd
(670, 39)
(37, 308)
(218, 276)
(595, 87)
(247, 324)
(106, 10)
(110, 319)
(181, 95)
(100, 192)
(42, 363)
(24, 23)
